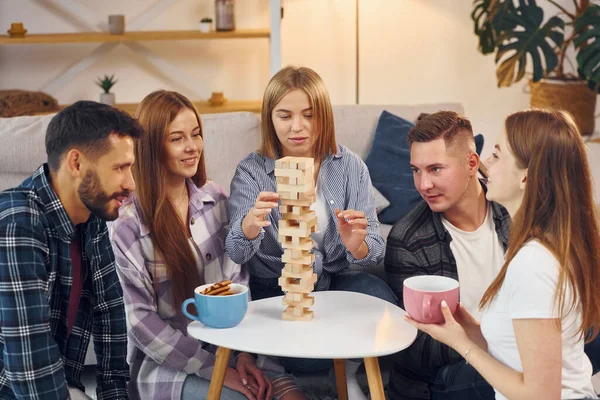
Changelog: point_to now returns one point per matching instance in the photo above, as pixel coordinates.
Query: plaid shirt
(38, 359)
(161, 353)
(420, 245)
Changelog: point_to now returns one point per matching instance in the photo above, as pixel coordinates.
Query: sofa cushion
(355, 124)
(23, 147)
(388, 163)
(228, 138)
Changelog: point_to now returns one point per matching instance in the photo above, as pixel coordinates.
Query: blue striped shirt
(37, 356)
(346, 185)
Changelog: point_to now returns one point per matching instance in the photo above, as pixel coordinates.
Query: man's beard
(94, 197)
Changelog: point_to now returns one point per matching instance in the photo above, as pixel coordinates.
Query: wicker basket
(572, 96)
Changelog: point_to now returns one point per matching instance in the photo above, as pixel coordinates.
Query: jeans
(350, 281)
(456, 381)
(196, 388)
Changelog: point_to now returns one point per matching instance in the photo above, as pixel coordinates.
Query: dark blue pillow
(389, 166)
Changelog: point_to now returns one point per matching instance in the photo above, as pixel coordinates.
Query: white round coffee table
(346, 325)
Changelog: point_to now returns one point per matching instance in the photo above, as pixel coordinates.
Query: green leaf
(522, 34)
(483, 27)
(107, 82)
(587, 43)
(488, 19)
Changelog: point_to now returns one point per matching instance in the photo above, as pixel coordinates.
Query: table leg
(374, 378)
(340, 378)
(218, 376)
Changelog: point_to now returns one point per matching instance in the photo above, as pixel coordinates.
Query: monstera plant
(525, 40)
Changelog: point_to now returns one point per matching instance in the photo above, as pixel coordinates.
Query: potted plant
(106, 83)
(206, 25)
(520, 36)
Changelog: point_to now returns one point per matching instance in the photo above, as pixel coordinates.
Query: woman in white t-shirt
(539, 310)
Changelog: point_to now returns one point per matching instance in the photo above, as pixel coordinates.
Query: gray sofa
(228, 138)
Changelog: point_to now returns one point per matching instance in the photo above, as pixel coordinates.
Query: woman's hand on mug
(352, 226)
(256, 217)
(450, 332)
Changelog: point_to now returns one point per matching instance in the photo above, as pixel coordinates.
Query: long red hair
(557, 209)
(167, 230)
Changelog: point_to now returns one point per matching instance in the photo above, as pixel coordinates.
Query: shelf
(136, 36)
(203, 107)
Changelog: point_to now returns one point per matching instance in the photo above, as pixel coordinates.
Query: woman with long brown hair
(169, 239)
(543, 305)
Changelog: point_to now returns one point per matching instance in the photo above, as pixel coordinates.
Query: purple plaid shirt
(160, 352)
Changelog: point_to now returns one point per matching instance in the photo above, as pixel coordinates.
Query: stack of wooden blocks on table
(296, 188)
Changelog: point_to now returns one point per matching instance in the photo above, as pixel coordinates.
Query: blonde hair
(557, 209)
(284, 81)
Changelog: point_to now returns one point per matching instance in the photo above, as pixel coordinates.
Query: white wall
(411, 51)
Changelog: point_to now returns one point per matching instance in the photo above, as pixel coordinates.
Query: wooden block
(304, 163)
(298, 285)
(306, 201)
(284, 209)
(296, 311)
(308, 223)
(297, 271)
(295, 297)
(294, 196)
(307, 189)
(308, 316)
(289, 172)
(289, 223)
(295, 232)
(297, 210)
(292, 180)
(295, 243)
(305, 259)
(299, 253)
(304, 301)
(303, 244)
(300, 217)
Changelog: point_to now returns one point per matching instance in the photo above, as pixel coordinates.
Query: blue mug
(219, 311)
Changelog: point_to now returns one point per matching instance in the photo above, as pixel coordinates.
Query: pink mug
(423, 297)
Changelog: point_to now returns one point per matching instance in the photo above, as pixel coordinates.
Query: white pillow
(381, 203)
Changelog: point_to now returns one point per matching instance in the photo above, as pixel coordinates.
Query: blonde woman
(297, 120)
(543, 305)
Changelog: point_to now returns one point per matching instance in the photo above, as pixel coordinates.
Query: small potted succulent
(206, 25)
(106, 83)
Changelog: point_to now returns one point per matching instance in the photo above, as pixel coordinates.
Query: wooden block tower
(296, 188)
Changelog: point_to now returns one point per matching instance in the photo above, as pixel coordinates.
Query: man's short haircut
(447, 125)
(86, 126)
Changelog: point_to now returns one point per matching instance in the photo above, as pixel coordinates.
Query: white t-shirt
(320, 206)
(528, 292)
(479, 257)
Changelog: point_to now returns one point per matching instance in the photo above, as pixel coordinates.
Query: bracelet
(467, 355)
